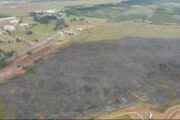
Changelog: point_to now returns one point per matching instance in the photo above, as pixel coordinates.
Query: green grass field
(111, 31)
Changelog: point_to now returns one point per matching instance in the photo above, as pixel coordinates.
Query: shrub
(29, 53)
(3, 63)
(29, 32)
(29, 68)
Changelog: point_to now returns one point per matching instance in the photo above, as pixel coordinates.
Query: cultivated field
(94, 77)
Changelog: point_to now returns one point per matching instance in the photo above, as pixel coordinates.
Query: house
(14, 22)
(9, 28)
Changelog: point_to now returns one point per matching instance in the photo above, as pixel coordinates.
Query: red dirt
(25, 60)
(41, 116)
(7, 67)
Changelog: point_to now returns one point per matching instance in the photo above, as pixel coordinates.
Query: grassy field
(6, 37)
(128, 29)
(24, 8)
(40, 31)
(109, 21)
(18, 47)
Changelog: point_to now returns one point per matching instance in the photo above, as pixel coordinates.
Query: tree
(61, 24)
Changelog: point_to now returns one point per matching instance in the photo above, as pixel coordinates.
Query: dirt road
(172, 113)
(13, 68)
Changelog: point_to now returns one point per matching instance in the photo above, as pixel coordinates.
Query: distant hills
(143, 2)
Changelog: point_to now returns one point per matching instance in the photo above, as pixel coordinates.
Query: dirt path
(172, 113)
(114, 116)
(140, 113)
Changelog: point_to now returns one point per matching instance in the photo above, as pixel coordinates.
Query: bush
(29, 53)
(9, 53)
(36, 40)
(18, 40)
(29, 68)
(29, 32)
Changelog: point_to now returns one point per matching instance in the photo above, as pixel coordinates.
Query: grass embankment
(113, 31)
(163, 107)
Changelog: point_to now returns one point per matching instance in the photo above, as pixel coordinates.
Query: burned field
(94, 77)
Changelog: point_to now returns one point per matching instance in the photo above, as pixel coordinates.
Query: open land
(94, 76)
(125, 54)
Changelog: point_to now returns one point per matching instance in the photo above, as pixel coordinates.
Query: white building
(9, 28)
(53, 11)
(7, 20)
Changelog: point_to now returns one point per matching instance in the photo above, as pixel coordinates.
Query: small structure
(79, 29)
(70, 32)
(1, 33)
(9, 28)
(61, 33)
(24, 25)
